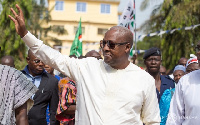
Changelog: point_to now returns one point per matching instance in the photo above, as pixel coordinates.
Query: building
(97, 16)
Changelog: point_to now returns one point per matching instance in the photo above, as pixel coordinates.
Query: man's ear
(27, 59)
(128, 47)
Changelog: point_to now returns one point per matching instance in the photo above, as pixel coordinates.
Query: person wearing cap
(164, 84)
(185, 103)
(178, 72)
(192, 64)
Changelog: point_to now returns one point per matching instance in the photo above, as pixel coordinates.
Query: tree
(181, 43)
(11, 43)
(170, 15)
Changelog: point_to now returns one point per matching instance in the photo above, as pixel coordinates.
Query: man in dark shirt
(47, 93)
(164, 84)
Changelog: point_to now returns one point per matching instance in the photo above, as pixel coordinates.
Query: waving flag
(76, 48)
(127, 18)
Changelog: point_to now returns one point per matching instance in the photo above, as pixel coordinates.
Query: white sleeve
(66, 65)
(177, 110)
(150, 110)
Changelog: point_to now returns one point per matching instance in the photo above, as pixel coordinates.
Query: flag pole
(135, 30)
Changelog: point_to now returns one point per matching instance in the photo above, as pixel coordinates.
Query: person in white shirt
(185, 103)
(112, 91)
(192, 64)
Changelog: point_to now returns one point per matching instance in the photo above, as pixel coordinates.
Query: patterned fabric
(48, 115)
(15, 90)
(67, 96)
(164, 104)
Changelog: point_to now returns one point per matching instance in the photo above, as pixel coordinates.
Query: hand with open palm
(18, 19)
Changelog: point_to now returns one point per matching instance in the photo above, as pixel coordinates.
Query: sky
(141, 16)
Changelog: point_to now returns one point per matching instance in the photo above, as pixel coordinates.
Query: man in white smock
(112, 91)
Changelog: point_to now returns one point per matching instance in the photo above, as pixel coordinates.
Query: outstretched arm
(64, 64)
(18, 19)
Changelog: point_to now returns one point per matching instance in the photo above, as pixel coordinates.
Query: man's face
(35, 66)
(177, 75)
(48, 69)
(192, 67)
(114, 56)
(153, 64)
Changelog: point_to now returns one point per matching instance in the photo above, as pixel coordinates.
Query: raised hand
(19, 21)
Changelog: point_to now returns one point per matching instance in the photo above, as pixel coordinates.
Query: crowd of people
(97, 91)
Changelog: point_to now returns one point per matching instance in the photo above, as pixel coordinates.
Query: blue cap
(180, 67)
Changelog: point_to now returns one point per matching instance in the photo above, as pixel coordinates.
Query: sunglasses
(110, 44)
(37, 61)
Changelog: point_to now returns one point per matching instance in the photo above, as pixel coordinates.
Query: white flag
(127, 18)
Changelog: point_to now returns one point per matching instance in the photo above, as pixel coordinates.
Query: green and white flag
(127, 18)
(76, 48)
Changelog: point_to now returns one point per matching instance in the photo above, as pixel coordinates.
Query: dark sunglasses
(110, 44)
(37, 61)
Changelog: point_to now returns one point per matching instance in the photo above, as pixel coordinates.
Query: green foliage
(35, 16)
(148, 42)
(11, 43)
(175, 14)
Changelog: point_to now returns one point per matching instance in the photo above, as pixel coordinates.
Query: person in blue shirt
(47, 93)
(164, 84)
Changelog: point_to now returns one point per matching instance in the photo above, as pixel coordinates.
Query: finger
(13, 19)
(15, 14)
(19, 20)
(20, 11)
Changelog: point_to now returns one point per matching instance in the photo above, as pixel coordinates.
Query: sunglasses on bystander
(37, 61)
